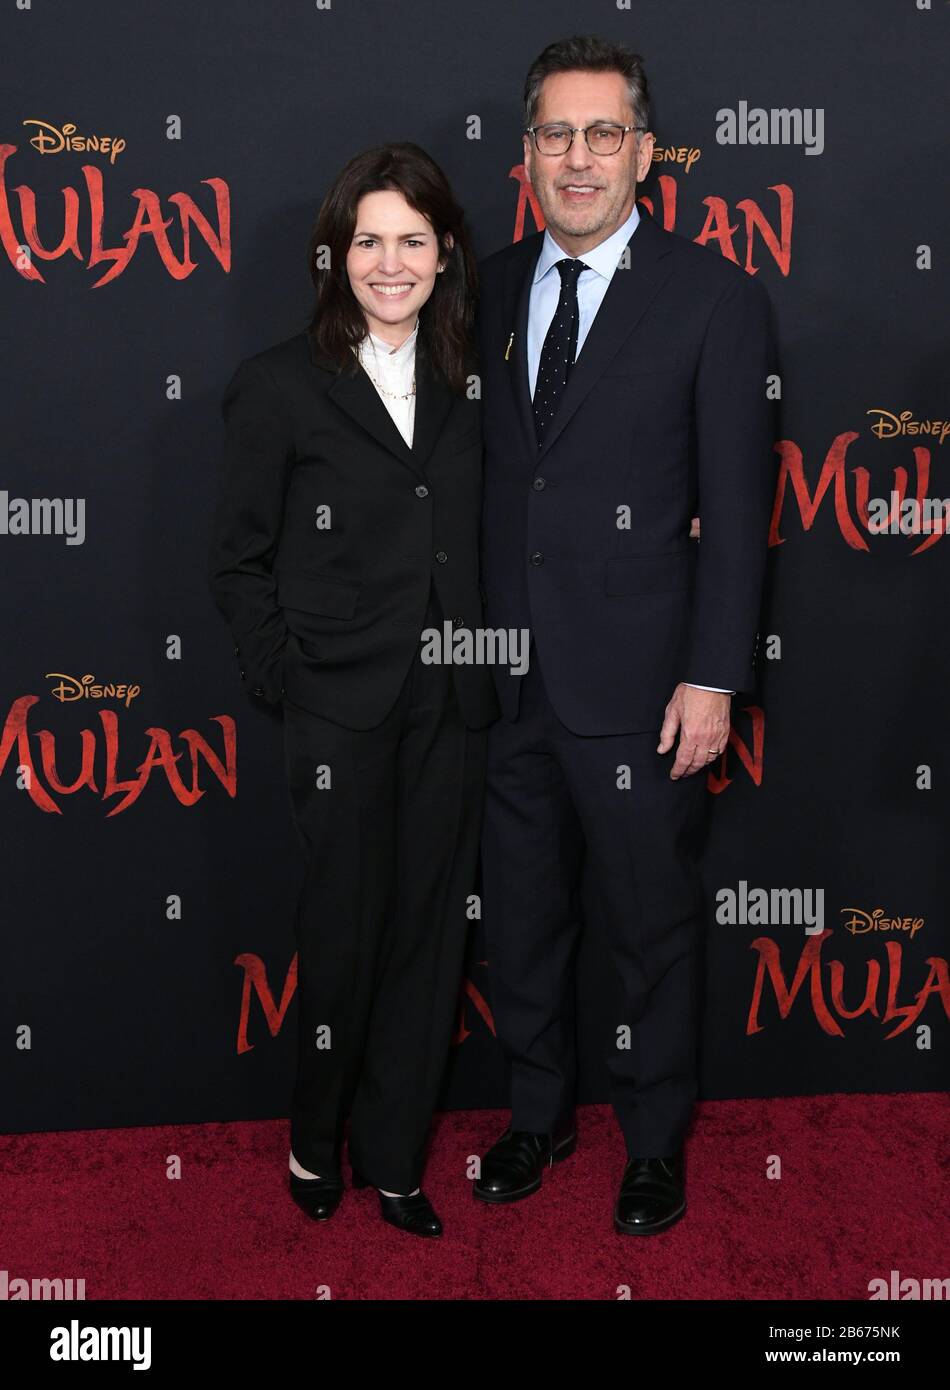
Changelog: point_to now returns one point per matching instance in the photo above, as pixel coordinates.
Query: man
(624, 375)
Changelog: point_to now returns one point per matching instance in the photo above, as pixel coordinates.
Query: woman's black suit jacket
(329, 530)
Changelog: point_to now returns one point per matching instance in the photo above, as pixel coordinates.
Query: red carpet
(863, 1191)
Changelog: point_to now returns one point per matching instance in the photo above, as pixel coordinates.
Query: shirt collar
(602, 258)
(391, 356)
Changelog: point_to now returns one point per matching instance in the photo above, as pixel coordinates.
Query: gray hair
(588, 53)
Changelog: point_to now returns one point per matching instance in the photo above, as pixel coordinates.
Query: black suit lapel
(518, 278)
(434, 400)
(355, 394)
(628, 296)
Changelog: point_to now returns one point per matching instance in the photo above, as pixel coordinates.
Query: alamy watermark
(483, 646)
(771, 907)
(777, 125)
(43, 516)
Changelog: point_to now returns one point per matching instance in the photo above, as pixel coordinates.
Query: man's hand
(702, 718)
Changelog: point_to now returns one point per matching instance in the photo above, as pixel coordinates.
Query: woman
(347, 524)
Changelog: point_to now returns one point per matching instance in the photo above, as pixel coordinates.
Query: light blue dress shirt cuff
(709, 687)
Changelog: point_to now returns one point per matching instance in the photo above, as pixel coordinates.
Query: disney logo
(51, 140)
(890, 425)
(85, 688)
(876, 921)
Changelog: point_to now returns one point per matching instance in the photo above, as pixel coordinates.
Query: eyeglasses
(602, 138)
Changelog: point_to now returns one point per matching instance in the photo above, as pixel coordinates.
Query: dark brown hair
(338, 323)
(588, 53)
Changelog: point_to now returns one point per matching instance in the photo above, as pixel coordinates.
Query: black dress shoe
(318, 1197)
(652, 1195)
(512, 1168)
(413, 1214)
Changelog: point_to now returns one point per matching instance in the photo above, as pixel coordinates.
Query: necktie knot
(569, 269)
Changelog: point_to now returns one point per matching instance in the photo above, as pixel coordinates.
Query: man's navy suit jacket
(586, 541)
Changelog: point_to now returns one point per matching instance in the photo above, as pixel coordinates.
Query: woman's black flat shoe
(413, 1214)
(318, 1197)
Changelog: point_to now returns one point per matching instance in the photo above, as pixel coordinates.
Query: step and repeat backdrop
(160, 168)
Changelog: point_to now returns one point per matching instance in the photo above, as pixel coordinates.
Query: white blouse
(393, 369)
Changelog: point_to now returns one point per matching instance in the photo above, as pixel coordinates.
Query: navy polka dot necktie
(559, 349)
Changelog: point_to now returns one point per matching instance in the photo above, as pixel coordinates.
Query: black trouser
(555, 819)
(381, 921)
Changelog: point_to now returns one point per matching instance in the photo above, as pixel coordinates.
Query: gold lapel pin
(508, 348)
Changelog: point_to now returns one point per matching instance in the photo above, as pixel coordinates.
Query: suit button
(422, 490)
(539, 484)
(441, 556)
(537, 558)
(237, 651)
(457, 622)
(242, 673)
